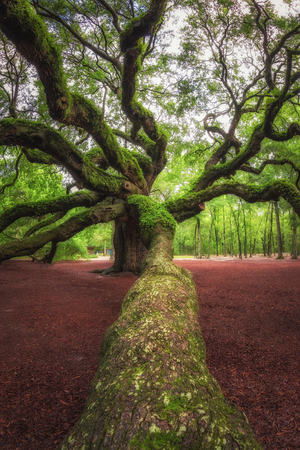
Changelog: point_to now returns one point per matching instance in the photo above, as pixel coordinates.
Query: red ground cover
(53, 318)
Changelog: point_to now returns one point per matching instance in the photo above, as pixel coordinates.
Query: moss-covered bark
(37, 136)
(56, 204)
(62, 232)
(20, 23)
(153, 389)
(192, 203)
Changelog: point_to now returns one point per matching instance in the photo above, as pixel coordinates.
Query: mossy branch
(56, 204)
(97, 214)
(35, 135)
(28, 32)
(190, 204)
(133, 49)
(44, 223)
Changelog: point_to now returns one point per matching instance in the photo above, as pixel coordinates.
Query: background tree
(92, 66)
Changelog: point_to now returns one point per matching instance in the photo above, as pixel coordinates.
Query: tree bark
(245, 232)
(265, 233)
(279, 239)
(112, 256)
(294, 241)
(209, 237)
(237, 223)
(199, 251)
(153, 389)
(271, 232)
(250, 236)
(224, 234)
(129, 249)
(231, 236)
(217, 238)
(48, 258)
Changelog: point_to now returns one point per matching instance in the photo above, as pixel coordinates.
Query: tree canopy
(91, 90)
(81, 85)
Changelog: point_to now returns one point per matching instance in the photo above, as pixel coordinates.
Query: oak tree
(92, 64)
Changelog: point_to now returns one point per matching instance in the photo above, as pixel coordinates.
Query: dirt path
(53, 318)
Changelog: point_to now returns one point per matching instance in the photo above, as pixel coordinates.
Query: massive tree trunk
(153, 389)
(128, 247)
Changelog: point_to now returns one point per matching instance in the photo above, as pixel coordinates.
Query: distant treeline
(229, 226)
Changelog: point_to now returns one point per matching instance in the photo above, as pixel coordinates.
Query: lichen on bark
(153, 389)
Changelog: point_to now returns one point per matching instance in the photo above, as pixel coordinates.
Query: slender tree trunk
(240, 245)
(199, 250)
(294, 239)
(224, 234)
(112, 256)
(48, 258)
(245, 232)
(254, 248)
(271, 232)
(231, 236)
(265, 233)
(209, 236)
(237, 224)
(250, 235)
(153, 389)
(195, 239)
(217, 239)
(104, 248)
(283, 232)
(238, 234)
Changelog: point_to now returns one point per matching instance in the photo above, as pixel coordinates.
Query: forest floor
(53, 319)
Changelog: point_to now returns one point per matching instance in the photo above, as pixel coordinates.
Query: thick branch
(132, 48)
(36, 209)
(44, 223)
(30, 35)
(215, 172)
(35, 135)
(63, 232)
(188, 205)
(36, 156)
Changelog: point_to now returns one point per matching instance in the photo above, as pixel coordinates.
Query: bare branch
(113, 13)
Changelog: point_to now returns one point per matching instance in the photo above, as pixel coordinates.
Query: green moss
(157, 441)
(42, 44)
(152, 213)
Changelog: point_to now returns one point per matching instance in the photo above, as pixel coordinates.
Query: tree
(279, 238)
(152, 388)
